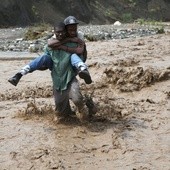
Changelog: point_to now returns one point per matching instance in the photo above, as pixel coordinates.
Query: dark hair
(59, 25)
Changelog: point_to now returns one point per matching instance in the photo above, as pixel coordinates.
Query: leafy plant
(158, 25)
(35, 11)
(127, 17)
(36, 31)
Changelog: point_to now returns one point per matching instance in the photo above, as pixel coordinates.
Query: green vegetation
(90, 37)
(35, 12)
(158, 25)
(108, 12)
(142, 21)
(160, 30)
(127, 17)
(37, 31)
(132, 3)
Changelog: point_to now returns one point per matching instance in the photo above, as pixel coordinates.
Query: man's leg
(83, 72)
(77, 98)
(62, 104)
(40, 63)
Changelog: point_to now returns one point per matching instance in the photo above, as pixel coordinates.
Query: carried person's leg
(40, 63)
(82, 68)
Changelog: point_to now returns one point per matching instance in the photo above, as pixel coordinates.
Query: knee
(46, 57)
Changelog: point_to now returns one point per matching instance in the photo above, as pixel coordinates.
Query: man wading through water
(71, 25)
(71, 29)
(65, 84)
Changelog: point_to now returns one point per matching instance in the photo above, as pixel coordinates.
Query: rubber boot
(84, 74)
(15, 79)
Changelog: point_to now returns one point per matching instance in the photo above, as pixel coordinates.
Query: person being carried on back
(44, 62)
(79, 55)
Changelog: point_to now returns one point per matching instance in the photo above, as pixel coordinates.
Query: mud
(131, 130)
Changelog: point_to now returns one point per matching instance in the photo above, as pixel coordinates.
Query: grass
(37, 31)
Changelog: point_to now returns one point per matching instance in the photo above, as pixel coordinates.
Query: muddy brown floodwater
(131, 130)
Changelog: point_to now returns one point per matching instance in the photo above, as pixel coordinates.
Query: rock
(91, 33)
(117, 23)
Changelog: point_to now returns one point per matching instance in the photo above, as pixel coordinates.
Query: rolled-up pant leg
(40, 63)
(77, 98)
(75, 94)
(62, 103)
(77, 62)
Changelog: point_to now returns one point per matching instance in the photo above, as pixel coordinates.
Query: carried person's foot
(84, 74)
(15, 79)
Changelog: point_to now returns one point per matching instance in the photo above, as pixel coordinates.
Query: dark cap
(71, 20)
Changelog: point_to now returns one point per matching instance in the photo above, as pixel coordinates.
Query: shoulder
(80, 35)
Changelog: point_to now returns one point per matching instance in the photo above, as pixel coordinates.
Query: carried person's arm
(53, 43)
(78, 50)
